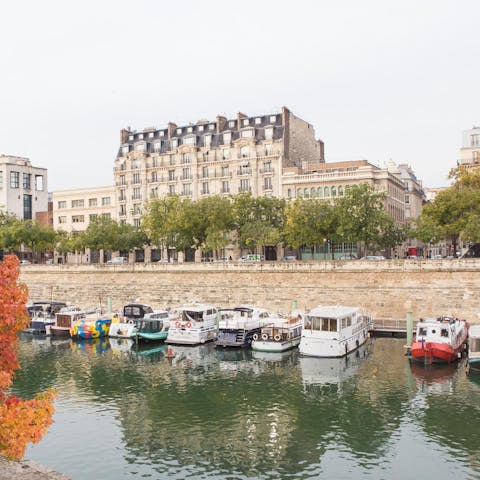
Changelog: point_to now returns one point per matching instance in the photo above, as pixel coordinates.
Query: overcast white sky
(378, 79)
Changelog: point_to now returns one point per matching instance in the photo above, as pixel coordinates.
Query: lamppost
(325, 246)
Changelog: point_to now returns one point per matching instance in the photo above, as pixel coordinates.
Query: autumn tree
(21, 421)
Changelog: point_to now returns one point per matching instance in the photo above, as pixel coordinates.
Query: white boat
(280, 335)
(237, 326)
(65, 319)
(334, 331)
(196, 324)
(473, 365)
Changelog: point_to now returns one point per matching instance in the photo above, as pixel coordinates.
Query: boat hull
(190, 337)
(122, 330)
(312, 346)
(236, 338)
(435, 352)
(90, 328)
(152, 337)
(473, 365)
(272, 346)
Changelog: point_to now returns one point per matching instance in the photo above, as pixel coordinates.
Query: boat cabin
(136, 310)
(197, 314)
(45, 308)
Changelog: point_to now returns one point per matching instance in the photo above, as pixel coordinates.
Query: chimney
(221, 121)
(171, 129)
(124, 133)
(240, 115)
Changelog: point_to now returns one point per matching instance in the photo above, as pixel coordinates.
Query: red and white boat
(439, 340)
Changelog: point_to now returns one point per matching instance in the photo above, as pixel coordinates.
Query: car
(25, 262)
(373, 257)
(49, 261)
(251, 258)
(290, 258)
(117, 260)
(348, 257)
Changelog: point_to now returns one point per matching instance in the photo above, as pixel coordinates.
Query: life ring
(131, 322)
(188, 325)
(264, 336)
(277, 338)
(255, 336)
(178, 324)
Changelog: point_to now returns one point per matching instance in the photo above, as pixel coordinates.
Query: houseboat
(439, 340)
(64, 321)
(42, 314)
(96, 326)
(237, 326)
(334, 331)
(126, 325)
(473, 364)
(196, 324)
(280, 335)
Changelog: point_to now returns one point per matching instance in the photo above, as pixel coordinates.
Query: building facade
(222, 157)
(23, 188)
(73, 210)
(470, 150)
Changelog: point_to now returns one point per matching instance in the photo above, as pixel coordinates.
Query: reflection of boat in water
(121, 345)
(198, 356)
(90, 345)
(149, 349)
(282, 357)
(439, 340)
(473, 365)
(436, 378)
(322, 371)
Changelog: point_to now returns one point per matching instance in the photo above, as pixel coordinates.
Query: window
(78, 219)
(475, 140)
(122, 180)
(39, 183)
(130, 137)
(186, 158)
(225, 171)
(136, 209)
(140, 136)
(407, 199)
(179, 131)
(157, 146)
(205, 172)
(208, 140)
(140, 147)
(245, 169)
(225, 187)
(92, 202)
(299, 193)
(227, 137)
(200, 128)
(92, 217)
(172, 159)
(162, 133)
(105, 201)
(320, 192)
(123, 210)
(268, 149)
(154, 192)
(136, 178)
(171, 175)
(334, 191)
(77, 203)
(247, 133)
(273, 119)
(189, 140)
(340, 191)
(268, 133)
(189, 130)
(186, 189)
(173, 143)
(245, 185)
(1, 179)
(258, 121)
(267, 185)
(106, 216)
(186, 174)
(326, 192)
(136, 164)
(306, 193)
(62, 219)
(136, 194)
(125, 149)
(62, 204)
(244, 152)
(27, 207)
(123, 195)
(313, 192)
(231, 124)
(267, 167)
(211, 126)
(26, 181)
(226, 153)
(150, 135)
(205, 189)
(154, 177)
(136, 222)
(171, 189)
(14, 179)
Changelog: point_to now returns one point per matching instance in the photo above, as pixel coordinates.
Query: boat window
(189, 316)
(475, 344)
(333, 324)
(316, 323)
(325, 324)
(434, 332)
(422, 332)
(444, 332)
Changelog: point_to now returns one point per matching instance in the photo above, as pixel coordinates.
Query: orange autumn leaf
(21, 421)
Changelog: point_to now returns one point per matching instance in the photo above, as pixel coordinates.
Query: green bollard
(409, 329)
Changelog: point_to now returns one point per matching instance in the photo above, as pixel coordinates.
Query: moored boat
(280, 335)
(196, 324)
(473, 364)
(334, 331)
(64, 320)
(91, 327)
(42, 315)
(439, 340)
(154, 326)
(237, 326)
(126, 325)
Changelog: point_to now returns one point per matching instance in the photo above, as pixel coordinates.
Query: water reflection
(233, 413)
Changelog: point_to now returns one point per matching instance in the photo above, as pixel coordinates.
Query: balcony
(244, 189)
(136, 197)
(186, 177)
(267, 170)
(244, 171)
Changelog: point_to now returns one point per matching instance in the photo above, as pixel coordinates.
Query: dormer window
(140, 147)
(157, 146)
(268, 133)
(258, 121)
(245, 122)
(208, 140)
(189, 129)
(227, 138)
(125, 149)
(247, 133)
(162, 133)
(231, 124)
(179, 131)
(211, 126)
(189, 140)
(273, 119)
(150, 134)
(130, 137)
(140, 136)
(174, 143)
(200, 128)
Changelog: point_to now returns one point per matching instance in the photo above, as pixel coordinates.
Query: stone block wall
(387, 289)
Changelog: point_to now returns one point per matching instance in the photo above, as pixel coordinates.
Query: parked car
(348, 257)
(373, 257)
(25, 262)
(252, 257)
(117, 260)
(290, 258)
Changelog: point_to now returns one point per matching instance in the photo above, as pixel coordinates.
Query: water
(123, 413)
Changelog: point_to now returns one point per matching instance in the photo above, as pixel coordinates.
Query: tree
(21, 421)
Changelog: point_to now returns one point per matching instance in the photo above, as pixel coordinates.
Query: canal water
(126, 413)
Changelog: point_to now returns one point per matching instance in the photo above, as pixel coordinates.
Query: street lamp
(325, 245)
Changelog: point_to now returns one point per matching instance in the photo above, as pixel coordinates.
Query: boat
(42, 314)
(334, 331)
(196, 324)
(280, 335)
(64, 321)
(126, 325)
(439, 340)
(473, 363)
(154, 326)
(96, 326)
(237, 326)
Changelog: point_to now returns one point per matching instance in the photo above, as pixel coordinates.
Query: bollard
(409, 329)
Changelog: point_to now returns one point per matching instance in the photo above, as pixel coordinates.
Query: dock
(390, 327)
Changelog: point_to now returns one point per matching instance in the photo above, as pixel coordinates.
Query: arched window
(313, 192)
(340, 191)
(334, 191)
(306, 193)
(299, 193)
(326, 192)
(320, 192)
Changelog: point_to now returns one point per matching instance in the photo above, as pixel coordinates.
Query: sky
(379, 80)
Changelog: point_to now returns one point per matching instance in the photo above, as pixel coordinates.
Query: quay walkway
(390, 327)
(27, 470)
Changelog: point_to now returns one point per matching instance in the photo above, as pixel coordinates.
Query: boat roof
(197, 307)
(436, 321)
(244, 308)
(333, 311)
(48, 302)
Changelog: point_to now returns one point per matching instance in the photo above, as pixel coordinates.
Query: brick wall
(387, 289)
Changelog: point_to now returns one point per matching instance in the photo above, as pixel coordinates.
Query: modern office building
(23, 188)
(221, 157)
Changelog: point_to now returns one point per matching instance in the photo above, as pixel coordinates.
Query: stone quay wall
(387, 289)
